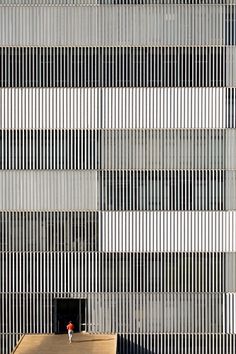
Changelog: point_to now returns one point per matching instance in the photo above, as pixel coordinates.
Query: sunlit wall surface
(118, 170)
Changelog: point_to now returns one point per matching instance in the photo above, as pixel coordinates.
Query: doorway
(66, 310)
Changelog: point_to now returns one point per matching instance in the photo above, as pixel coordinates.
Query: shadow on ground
(135, 344)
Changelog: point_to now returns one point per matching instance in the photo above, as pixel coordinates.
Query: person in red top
(70, 328)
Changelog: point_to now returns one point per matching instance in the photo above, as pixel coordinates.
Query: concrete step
(82, 343)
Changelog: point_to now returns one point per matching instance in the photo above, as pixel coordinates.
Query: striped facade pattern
(118, 170)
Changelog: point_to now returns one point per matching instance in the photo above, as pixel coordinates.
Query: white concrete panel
(48, 190)
(48, 108)
(112, 108)
(112, 25)
(173, 231)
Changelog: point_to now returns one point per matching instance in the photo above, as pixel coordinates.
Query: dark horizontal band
(113, 67)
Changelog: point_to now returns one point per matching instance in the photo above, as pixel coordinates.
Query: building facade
(118, 172)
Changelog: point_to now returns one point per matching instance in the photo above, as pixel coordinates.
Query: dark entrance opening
(66, 310)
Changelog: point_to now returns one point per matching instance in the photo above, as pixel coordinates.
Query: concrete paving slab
(82, 343)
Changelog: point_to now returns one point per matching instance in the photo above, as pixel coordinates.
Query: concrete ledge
(18, 343)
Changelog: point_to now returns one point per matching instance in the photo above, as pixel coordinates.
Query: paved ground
(56, 344)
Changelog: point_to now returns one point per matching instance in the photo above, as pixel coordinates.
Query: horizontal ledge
(40, 130)
(117, 252)
(114, 211)
(83, 295)
(121, 45)
(117, 170)
(95, 4)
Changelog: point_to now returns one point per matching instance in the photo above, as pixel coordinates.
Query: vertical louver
(118, 170)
